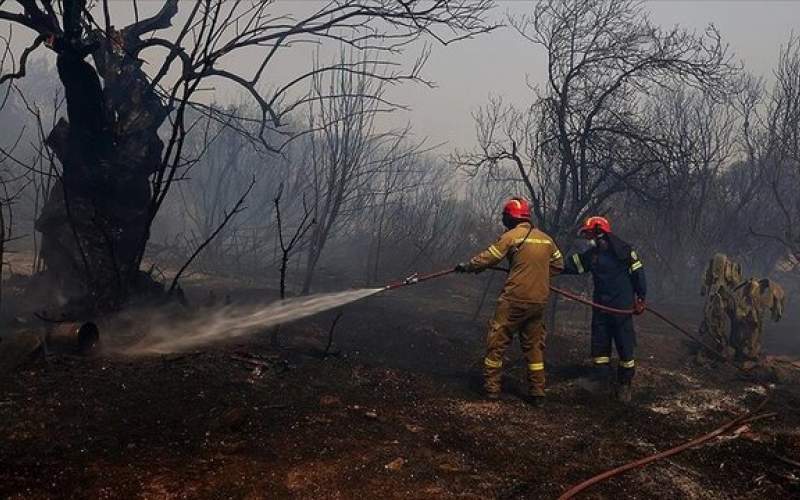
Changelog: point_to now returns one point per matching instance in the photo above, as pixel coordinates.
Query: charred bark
(97, 216)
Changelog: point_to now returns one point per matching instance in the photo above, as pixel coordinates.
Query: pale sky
(500, 63)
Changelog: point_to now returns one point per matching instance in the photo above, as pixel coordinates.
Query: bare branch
(238, 207)
(23, 61)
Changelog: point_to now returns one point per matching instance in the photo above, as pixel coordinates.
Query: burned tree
(287, 247)
(399, 176)
(116, 170)
(227, 215)
(774, 141)
(9, 192)
(583, 139)
(430, 221)
(348, 151)
(226, 165)
(687, 186)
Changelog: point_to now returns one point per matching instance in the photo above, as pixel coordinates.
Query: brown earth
(393, 415)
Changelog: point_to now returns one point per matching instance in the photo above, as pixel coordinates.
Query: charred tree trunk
(97, 217)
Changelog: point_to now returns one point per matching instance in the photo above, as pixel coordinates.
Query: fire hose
(739, 420)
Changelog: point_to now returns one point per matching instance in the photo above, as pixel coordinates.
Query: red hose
(740, 420)
(583, 300)
(426, 277)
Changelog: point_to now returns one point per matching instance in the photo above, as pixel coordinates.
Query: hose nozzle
(414, 278)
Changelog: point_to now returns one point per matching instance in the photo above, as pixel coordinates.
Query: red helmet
(517, 208)
(593, 224)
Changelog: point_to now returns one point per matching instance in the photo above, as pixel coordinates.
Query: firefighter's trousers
(716, 322)
(528, 320)
(617, 329)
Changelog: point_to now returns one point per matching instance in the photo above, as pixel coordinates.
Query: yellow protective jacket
(533, 258)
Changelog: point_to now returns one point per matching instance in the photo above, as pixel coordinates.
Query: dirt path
(393, 416)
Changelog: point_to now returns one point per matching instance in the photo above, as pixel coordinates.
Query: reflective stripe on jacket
(533, 257)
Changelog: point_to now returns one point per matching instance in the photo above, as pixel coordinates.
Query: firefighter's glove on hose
(640, 306)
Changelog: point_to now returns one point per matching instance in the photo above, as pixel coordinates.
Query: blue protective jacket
(617, 272)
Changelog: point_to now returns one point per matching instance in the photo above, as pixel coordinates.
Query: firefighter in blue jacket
(619, 283)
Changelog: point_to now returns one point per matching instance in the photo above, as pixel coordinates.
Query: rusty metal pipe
(73, 337)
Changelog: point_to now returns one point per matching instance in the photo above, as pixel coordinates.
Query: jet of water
(165, 337)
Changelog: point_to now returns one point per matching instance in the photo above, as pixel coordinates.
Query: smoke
(164, 336)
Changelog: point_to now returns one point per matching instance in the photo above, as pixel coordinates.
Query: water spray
(165, 335)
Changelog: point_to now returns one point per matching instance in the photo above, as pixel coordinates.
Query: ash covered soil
(394, 414)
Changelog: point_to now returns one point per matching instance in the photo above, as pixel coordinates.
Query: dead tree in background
(6, 216)
(305, 224)
(226, 164)
(584, 139)
(699, 136)
(8, 196)
(227, 216)
(775, 141)
(347, 153)
(248, 246)
(12, 185)
(27, 117)
(117, 170)
(401, 171)
(431, 221)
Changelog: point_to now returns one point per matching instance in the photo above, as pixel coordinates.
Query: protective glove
(462, 267)
(640, 306)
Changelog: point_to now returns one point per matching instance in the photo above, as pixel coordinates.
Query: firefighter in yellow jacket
(533, 257)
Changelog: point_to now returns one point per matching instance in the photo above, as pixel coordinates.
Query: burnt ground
(393, 415)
